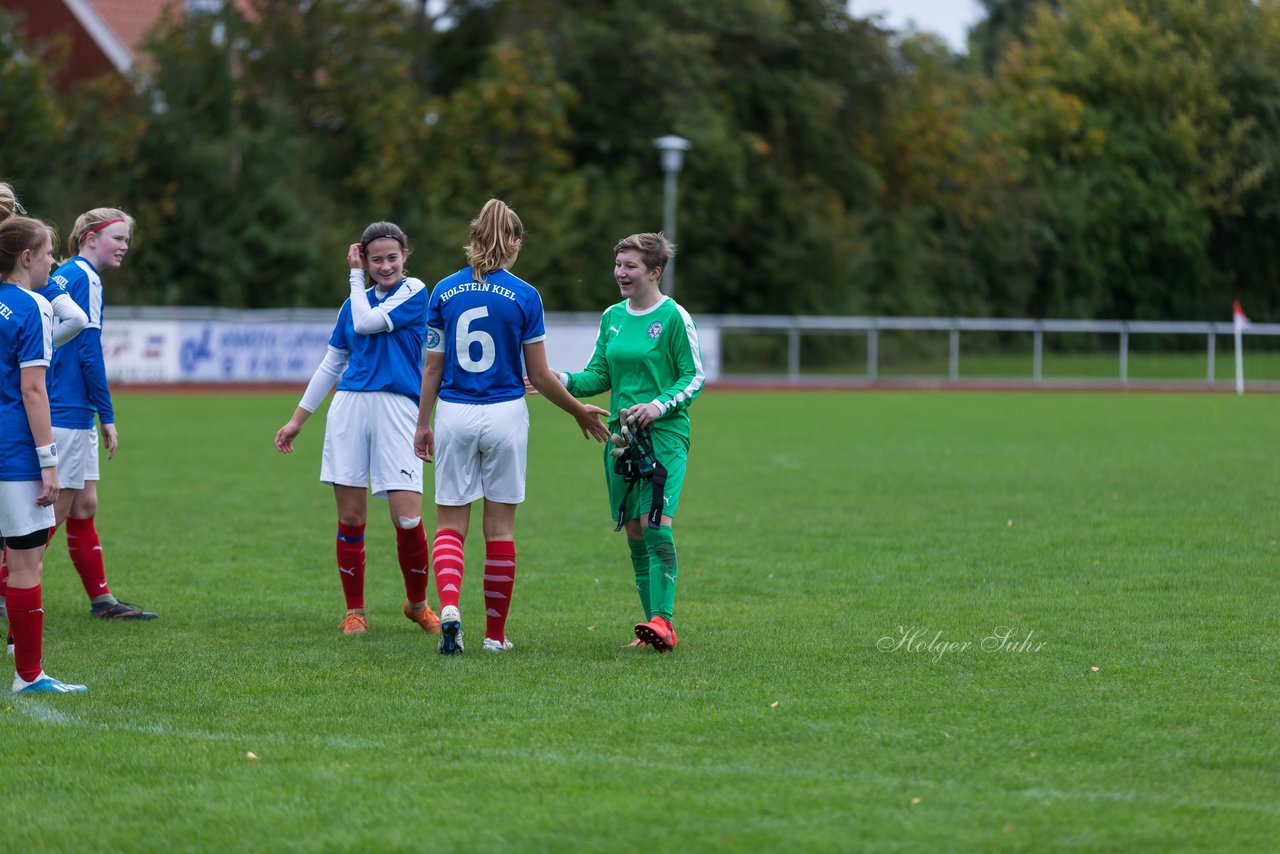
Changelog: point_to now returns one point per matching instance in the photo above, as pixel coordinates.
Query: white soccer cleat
(491, 645)
(44, 684)
(450, 630)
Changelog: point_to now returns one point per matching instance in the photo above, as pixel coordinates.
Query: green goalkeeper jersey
(645, 357)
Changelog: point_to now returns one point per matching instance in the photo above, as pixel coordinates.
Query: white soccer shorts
(368, 441)
(18, 511)
(77, 456)
(481, 451)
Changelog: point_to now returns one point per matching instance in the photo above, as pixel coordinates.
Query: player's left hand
(49, 487)
(642, 415)
(111, 439)
(424, 444)
(528, 387)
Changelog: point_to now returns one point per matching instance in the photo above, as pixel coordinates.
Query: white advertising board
(238, 351)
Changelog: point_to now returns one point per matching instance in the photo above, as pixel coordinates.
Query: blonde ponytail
(495, 239)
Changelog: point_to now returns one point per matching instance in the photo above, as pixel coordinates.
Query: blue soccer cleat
(44, 684)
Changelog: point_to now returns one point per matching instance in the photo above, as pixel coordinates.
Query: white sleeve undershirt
(331, 368)
(72, 319)
(367, 320)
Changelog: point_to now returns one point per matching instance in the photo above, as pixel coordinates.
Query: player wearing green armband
(647, 357)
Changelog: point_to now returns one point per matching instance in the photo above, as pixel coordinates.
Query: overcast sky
(950, 19)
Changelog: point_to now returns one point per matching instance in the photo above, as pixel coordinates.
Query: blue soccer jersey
(481, 328)
(78, 374)
(26, 341)
(391, 360)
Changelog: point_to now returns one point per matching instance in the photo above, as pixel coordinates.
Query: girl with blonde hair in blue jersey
(79, 395)
(485, 325)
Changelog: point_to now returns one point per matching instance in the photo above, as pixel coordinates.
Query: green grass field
(1123, 545)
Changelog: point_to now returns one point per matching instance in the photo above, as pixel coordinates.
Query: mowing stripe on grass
(56, 717)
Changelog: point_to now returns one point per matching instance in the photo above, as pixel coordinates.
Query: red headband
(103, 225)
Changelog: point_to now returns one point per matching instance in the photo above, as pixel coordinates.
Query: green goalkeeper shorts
(671, 450)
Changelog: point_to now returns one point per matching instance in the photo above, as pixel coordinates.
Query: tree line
(1084, 158)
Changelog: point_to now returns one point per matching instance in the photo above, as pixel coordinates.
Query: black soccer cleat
(121, 611)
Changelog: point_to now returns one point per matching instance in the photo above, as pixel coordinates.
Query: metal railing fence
(576, 332)
(794, 327)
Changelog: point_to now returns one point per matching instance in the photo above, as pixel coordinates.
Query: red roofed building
(104, 35)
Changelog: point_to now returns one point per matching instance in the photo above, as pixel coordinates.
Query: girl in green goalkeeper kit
(647, 356)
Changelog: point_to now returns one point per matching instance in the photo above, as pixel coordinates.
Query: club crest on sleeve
(433, 339)
(655, 329)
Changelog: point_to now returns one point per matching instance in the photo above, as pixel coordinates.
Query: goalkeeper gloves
(633, 452)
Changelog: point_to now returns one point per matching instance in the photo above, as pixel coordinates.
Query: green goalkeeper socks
(661, 545)
(640, 563)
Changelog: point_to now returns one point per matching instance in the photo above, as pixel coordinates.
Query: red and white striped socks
(447, 558)
(499, 579)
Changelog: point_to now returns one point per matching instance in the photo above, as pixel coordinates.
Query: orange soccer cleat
(355, 624)
(658, 633)
(426, 618)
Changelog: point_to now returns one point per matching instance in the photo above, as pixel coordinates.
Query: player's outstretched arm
(545, 381)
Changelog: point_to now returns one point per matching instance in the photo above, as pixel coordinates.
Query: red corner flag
(1237, 316)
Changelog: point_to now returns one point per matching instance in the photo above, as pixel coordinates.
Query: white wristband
(48, 455)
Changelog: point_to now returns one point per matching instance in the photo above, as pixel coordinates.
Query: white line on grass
(49, 715)
(879, 780)
(1155, 800)
(44, 714)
